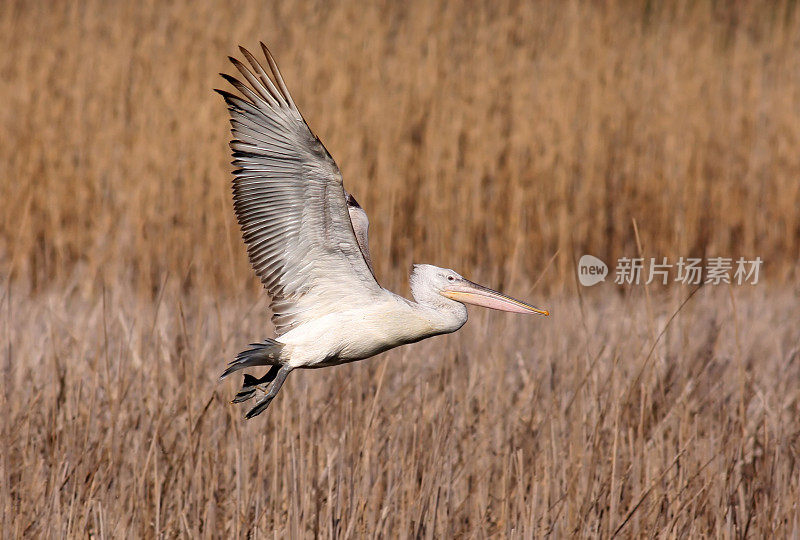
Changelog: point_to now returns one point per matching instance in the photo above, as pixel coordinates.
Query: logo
(688, 270)
(591, 270)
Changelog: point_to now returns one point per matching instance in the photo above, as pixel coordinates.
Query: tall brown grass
(490, 139)
(113, 425)
(481, 137)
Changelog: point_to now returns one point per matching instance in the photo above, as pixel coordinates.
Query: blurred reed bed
(478, 137)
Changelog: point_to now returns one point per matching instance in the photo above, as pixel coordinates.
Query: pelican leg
(262, 405)
(251, 384)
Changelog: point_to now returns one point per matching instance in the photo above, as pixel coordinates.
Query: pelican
(307, 240)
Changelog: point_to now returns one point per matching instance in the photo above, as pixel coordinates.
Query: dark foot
(251, 385)
(262, 405)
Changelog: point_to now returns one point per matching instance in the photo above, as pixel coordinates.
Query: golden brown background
(503, 140)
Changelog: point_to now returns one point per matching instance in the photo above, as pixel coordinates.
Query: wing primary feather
(255, 83)
(278, 78)
(255, 98)
(262, 74)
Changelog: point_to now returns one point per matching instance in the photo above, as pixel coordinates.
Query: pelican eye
(451, 278)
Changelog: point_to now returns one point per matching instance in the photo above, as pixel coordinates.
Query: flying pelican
(307, 241)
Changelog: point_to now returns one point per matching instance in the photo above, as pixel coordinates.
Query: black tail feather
(267, 353)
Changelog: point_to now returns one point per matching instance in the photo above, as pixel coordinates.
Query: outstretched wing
(290, 204)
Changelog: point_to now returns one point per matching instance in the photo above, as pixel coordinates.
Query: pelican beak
(467, 292)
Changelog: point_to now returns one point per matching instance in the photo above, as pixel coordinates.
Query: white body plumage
(363, 331)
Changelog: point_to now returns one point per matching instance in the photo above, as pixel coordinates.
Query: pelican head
(439, 286)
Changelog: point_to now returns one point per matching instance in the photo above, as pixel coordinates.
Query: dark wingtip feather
(231, 79)
(230, 99)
